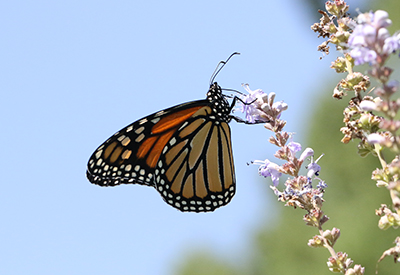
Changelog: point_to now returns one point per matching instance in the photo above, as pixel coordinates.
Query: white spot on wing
(183, 125)
(125, 141)
(172, 141)
(139, 130)
(98, 154)
(140, 138)
(159, 113)
(155, 120)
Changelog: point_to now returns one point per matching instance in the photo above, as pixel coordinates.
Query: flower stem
(327, 245)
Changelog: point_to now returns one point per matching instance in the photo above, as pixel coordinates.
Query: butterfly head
(220, 106)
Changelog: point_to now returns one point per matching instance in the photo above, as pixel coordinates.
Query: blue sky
(74, 72)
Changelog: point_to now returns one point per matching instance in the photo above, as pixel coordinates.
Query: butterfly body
(184, 152)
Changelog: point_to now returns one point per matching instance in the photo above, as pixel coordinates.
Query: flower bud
(271, 98)
(367, 105)
(381, 183)
(264, 98)
(265, 107)
(308, 152)
(339, 65)
(381, 19)
(375, 138)
(316, 241)
(384, 223)
(356, 270)
(331, 236)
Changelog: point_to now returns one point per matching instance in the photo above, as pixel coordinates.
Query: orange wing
(185, 152)
(131, 154)
(196, 170)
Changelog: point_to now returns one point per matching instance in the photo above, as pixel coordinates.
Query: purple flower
(313, 169)
(308, 152)
(356, 39)
(371, 39)
(369, 56)
(375, 138)
(279, 107)
(294, 147)
(383, 34)
(369, 34)
(363, 55)
(380, 19)
(391, 45)
(259, 106)
(367, 105)
(269, 169)
(322, 185)
(252, 113)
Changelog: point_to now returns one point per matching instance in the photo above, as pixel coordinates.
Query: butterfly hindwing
(195, 172)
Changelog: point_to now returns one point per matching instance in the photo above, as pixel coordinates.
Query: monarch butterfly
(185, 152)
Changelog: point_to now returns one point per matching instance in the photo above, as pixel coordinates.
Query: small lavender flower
(308, 152)
(380, 19)
(269, 169)
(363, 55)
(306, 189)
(322, 185)
(279, 107)
(313, 169)
(294, 147)
(375, 138)
(367, 105)
(391, 45)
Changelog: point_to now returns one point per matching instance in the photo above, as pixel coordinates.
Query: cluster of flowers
(299, 191)
(364, 40)
(369, 118)
(370, 41)
(260, 107)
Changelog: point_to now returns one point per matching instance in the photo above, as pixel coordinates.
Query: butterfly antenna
(219, 67)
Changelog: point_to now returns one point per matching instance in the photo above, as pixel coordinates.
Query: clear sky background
(74, 72)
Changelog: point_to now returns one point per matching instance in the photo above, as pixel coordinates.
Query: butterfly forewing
(131, 154)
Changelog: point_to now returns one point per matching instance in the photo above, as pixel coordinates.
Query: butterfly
(184, 152)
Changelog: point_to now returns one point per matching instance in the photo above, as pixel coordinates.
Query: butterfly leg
(240, 120)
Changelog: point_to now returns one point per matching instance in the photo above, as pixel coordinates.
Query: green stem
(378, 150)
